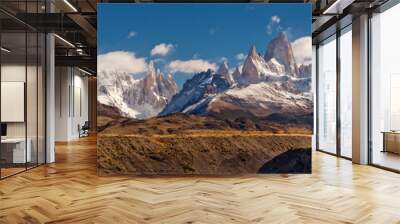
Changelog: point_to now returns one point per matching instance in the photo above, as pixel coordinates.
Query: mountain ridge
(261, 88)
(263, 85)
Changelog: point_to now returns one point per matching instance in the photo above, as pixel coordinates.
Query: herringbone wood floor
(70, 191)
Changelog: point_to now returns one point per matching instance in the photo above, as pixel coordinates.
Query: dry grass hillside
(180, 144)
(200, 153)
(182, 123)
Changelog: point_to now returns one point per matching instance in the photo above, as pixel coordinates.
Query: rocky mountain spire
(224, 72)
(150, 78)
(236, 74)
(253, 52)
(251, 68)
(281, 49)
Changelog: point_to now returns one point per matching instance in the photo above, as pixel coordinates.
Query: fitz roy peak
(136, 98)
(280, 49)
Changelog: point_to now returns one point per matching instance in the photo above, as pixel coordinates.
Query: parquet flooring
(70, 191)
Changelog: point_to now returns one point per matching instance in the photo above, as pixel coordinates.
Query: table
(391, 141)
(16, 147)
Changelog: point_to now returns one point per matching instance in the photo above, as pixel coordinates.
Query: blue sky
(208, 33)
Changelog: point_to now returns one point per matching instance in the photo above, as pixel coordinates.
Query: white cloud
(162, 49)
(302, 50)
(275, 19)
(131, 34)
(273, 23)
(191, 66)
(240, 57)
(121, 61)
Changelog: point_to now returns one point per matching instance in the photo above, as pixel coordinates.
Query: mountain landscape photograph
(201, 89)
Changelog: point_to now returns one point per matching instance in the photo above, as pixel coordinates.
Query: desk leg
(384, 142)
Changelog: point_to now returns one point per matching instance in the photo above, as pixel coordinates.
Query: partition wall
(22, 77)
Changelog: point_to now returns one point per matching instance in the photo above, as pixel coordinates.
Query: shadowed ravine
(292, 161)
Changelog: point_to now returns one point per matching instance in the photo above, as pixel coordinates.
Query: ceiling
(75, 21)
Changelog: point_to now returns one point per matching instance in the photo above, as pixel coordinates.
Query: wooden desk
(13, 150)
(391, 141)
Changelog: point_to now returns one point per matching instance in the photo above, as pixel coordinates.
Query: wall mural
(204, 89)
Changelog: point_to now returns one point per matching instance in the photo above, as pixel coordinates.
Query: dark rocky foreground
(292, 161)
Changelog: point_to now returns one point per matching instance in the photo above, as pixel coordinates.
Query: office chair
(84, 130)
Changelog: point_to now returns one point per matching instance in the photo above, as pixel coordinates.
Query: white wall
(71, 94)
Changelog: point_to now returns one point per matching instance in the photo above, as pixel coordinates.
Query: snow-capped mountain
(260, 100)
(136, 98)
(197, 92)
(265, 85)
(261, 86)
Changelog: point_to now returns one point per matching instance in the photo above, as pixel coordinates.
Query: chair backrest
(86, 125)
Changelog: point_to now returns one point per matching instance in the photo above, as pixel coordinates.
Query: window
(327, 96)
(385, 89)
(346, 93)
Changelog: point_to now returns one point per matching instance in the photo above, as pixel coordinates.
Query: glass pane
(41, 98)
(327, 96)
(346, 94)
(385, 84)
(31, 98)
(13, 87)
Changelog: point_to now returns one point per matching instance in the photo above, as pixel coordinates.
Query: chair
(84, 130)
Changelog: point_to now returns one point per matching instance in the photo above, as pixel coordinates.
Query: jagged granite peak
(253, 52)
(166, 87)
(224, 72)
(254, 68)
(236, 74)
(223, 68)
(136, 98)
(151, 67)
(281, 49)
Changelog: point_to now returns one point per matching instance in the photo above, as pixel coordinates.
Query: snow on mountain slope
(261, 99)
(111, 89)
(136, 98)
(195, 93)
